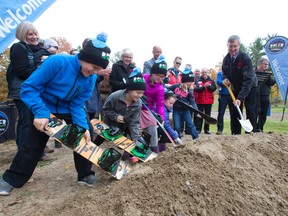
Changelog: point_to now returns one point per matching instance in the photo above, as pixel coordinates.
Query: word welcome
(18, 15)
(277, 72)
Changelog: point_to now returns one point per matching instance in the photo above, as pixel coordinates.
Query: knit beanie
(168, 93)
(187, 75)
(96, 51)
(159, 66)
(135, 80)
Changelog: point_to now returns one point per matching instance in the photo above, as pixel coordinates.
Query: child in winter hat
(159, 66)
(187, 75)
(135, 80)
(96, 51)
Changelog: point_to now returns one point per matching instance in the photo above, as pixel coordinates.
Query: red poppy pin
(239, 64)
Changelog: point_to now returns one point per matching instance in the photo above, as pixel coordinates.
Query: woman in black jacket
(121, 71)
(23, 56)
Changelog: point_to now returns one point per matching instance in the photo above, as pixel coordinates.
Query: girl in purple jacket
(154, 100)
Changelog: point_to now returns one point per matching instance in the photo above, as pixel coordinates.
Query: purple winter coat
(155, 95)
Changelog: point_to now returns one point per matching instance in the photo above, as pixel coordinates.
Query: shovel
(246, 124)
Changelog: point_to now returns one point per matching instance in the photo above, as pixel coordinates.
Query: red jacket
(172, 76)
(205, 95)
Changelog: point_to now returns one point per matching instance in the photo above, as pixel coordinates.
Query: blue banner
(13, 12)
(277, 53)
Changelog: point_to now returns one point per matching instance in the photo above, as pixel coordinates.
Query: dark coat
(240, 73)
(24, 59)
(119, 72)
(20, 68)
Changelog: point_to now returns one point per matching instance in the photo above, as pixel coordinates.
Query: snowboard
(139, 149)
(108, 159)
(208, 119)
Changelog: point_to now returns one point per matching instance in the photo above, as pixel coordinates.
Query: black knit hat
(96, 51)
(168, 93)
(187, 75)
(135, 80)
(159, 66)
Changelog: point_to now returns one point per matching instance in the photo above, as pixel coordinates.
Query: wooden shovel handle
(230, 91)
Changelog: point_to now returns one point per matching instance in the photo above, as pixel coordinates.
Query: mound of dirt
(215, 175)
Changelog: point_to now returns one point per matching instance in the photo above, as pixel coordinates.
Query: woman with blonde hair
(121, 70)
(22, 65)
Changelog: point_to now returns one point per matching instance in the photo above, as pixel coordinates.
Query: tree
(64, 45)
(256, 50)
(4, 63)
(117, 57)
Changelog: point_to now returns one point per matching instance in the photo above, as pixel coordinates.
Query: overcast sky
(196, 31)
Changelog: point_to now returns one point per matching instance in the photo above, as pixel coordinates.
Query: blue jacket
(167, 126)
(222, 89)
(58, 86)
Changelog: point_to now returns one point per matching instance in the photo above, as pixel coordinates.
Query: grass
(275, 126)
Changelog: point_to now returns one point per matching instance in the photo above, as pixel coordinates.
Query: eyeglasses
(129, 57)
(178, 63)
(265, 64)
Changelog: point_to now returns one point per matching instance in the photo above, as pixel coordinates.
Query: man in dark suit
(239, 74)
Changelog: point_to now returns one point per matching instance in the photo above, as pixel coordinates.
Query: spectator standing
(25, 56)
(205, 87)
(121, 70)
(50, 45)
(156, 51)
(238, 72)
(264, 93)
(224, 100)
(174, 74)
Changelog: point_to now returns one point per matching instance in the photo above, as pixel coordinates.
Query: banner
(13, 12)
(277, 53)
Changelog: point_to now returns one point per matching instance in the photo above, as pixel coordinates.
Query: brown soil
(216, 175)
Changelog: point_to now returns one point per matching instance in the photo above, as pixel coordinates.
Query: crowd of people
(79, 86)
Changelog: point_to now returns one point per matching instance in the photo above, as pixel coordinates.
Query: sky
(197, 31)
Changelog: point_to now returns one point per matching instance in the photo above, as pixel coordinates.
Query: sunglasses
(178, 63)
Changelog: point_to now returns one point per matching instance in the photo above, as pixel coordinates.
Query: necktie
(232, 59)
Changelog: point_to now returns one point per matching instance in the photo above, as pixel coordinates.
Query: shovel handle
(230, 91)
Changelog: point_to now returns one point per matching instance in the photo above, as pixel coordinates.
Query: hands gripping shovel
(246, 124)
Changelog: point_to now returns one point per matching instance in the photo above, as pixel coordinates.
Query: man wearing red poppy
(239, 74)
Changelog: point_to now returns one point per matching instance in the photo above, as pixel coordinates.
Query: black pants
(206, 108)
(27, 157)
(251, 112)
(263, 109)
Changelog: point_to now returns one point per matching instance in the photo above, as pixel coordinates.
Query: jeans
(27, 157)
(223, 101)
(186, 115)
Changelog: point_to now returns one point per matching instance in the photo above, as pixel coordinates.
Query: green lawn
(274, 125)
